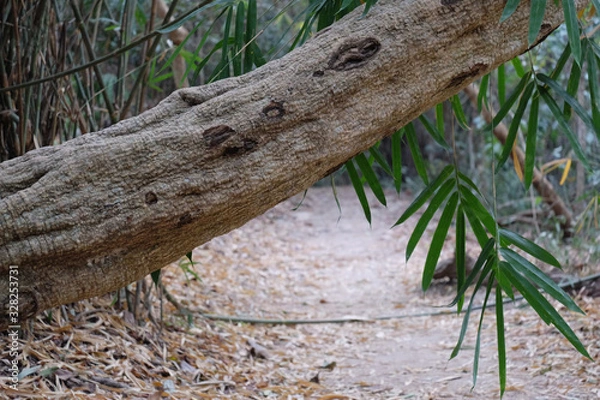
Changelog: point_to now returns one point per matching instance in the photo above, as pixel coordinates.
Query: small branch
(341, 320)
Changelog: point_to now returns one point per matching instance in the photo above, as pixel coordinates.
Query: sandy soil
(315, 263)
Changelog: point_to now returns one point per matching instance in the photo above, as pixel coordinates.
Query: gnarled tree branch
(91, 215)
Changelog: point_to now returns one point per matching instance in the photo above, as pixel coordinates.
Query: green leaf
(411, 137)
(465, 324)
(579, 110)
(535, 275)
(469, 183)
(543, 308)
(572, 87)
(514, 125)
(397, 159)
(538, 9)
(528, 246)
(358, 188)
(250, 35)
(572, 29)
(155, 275)
(370, 177)
(594, 88)
(459, 113)
(531, 140)
(368, 5)
(560, 118)
(481, 263)
(435, 203)
(472, 203)
(501, 84)
(433, 131)
(509, 9)
(476, 227)
(460, 246)
(479, 326)
(437, 242)
(425, 194)
(335, 196)
(516, 63)
(596, 4)
(439, 117)
(562, 61)
(223, 67)
(501, 341)
(503, 281)
(239, 33)
(512, 99)
(482, 95)
(380, 160)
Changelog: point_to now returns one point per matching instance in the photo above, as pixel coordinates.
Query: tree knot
(354, 54)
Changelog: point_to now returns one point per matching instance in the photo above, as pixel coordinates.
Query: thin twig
(251, 320)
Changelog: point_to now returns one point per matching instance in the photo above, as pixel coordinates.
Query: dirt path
(305, 265)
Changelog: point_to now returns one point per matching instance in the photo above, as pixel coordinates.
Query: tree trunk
(98, 212)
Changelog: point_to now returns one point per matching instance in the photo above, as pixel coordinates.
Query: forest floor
(310, 264)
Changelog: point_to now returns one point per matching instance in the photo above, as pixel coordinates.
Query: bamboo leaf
(479, 326)
(359, 189)
(543, 308)
(579, 110)
(439, 117)
(436, 134)
(509, 9)
(482, 95)
(370, 177)
(437, 241)
(503, 280)
(476, 227)
(239, 33)
(250, 35)
(380, 159)
(572, 87)
(535, 275)
(572, 29)
(501, 84)
(516, 63)
(562, 61)
(480, 264)
(459, 113)
(594, 87)
(538, 9)
(411, 137)
(397, 159)
(155, 275)
(460, 251)
(463, 328)
(501, 341)
(505, 108)
(560, 118)
(435, 203)
(471, 202)
(565, 173)
(530, 146)
(514, 126)
(425, 194)
(528, 246)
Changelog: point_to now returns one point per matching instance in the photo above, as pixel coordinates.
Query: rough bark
(105, 209)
